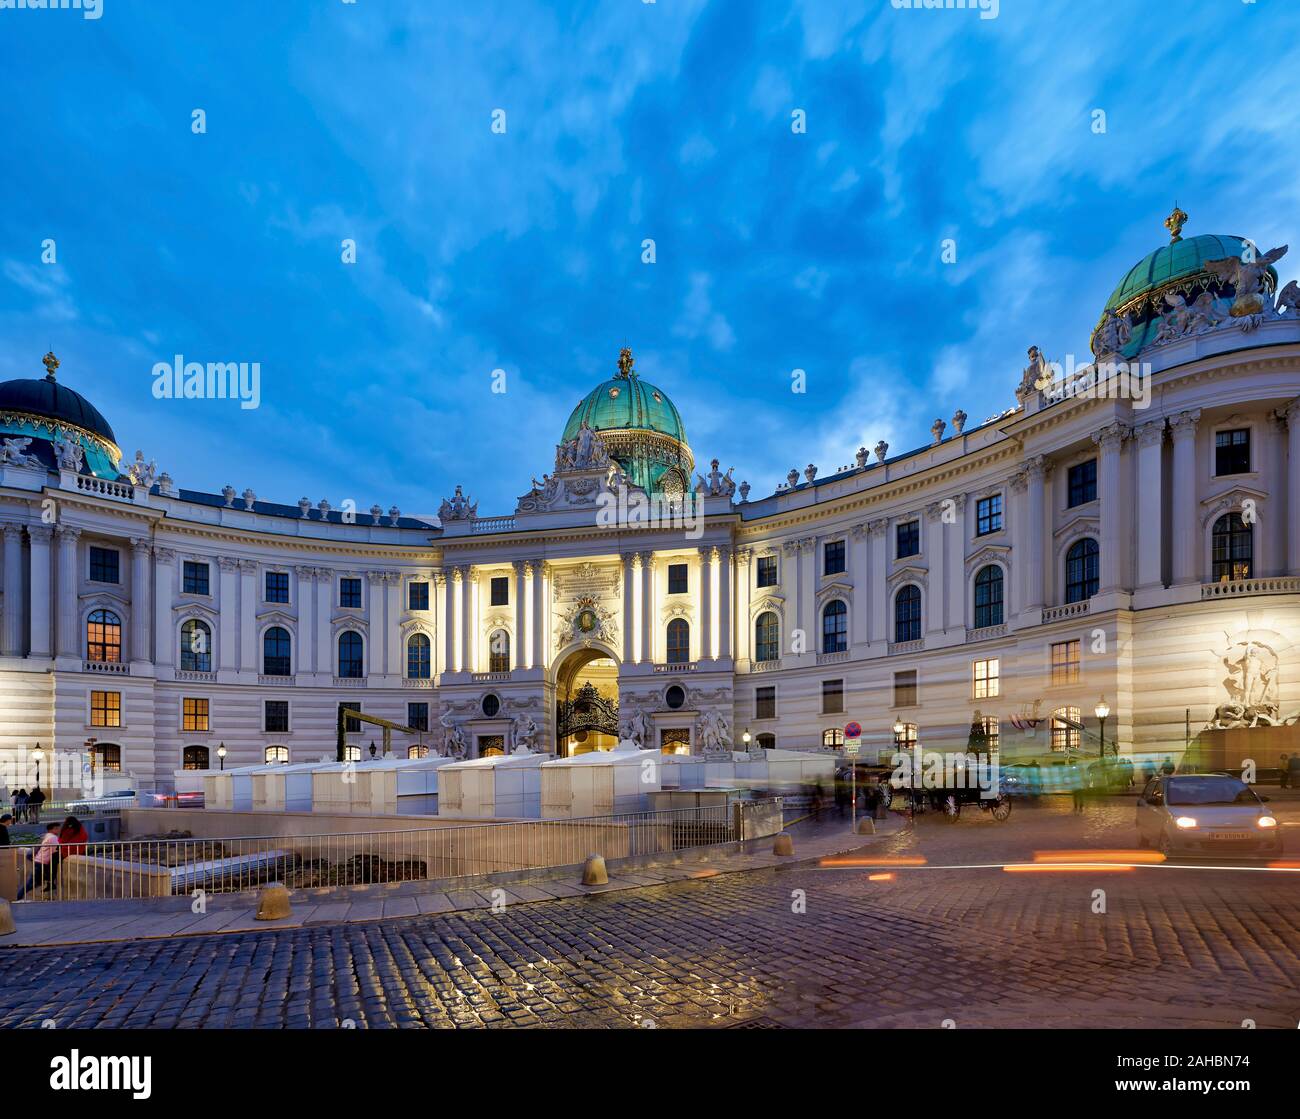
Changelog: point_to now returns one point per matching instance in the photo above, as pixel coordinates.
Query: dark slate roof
(46, 397)
(272, 509)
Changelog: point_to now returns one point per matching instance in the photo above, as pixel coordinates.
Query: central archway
(586, 702)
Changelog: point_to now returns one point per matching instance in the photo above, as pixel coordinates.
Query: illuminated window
(105, 709)
(1066, 728)
(767, 637)
(833, 737)
(675, 740)
(678, 641)
(499, 651)
(194, 714)
(905, 739)
(194, 757)
(992, 736)
(1234, 548)
(276, 754)
(196, 646)
(104, 636)
(1065, 662)
(985, 682)
(417, 751)
(108, 757)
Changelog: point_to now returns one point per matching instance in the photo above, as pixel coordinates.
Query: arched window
(417, 751)
(679, 641)
(1234, 548)
(275, 652)
(907, 613)
(194, 757)
(1066, 727)
(419, 661)
(767, 637)
(196, 646)
(988, 596)
(108, 757)
(103, 636)
(499, 651)
(351, 655)
(1081, 570)
(833, 737)
(766, 741)
(275, 754)
(835, 627)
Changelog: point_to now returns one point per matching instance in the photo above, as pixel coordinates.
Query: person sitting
(44, 867)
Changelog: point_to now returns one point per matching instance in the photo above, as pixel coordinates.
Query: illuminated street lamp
(746, 738)
(38, 756)
(1101, 711)
(221, 755)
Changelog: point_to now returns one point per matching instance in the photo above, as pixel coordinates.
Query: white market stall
(604, 783)
(502, 786)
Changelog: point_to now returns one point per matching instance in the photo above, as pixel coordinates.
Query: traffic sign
(852, 746)
(853, 730)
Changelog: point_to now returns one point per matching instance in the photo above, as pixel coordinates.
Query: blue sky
(522, 251)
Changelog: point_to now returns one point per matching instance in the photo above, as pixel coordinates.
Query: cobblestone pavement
(1175, 947)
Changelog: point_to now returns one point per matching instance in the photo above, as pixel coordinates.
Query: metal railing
(164, 867)
(53, 811)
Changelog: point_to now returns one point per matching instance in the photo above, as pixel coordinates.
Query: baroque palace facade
(1130, 529)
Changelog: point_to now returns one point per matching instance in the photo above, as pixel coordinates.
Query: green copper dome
(1170, 263)
(640, 427)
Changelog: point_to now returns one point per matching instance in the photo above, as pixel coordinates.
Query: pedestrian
(72, 838)
(842, 794)
(5, 821)
(20, 805)
(1293, 771)
(1077, 789)
(35, 800)
(44, 866)
(1284, 772)
(1168, 766)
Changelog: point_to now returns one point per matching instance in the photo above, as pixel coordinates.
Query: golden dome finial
(51, 363)
(625, 362)
(1174, 223)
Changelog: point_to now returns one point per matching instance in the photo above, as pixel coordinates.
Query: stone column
(954, 558)
(518, 649)
(744, 590)
(305, 650)
(878, 535)
(1014, 586)
(164, 594)
(39, 536)
(706, 601)
(1110, 440)
(375, 626)
(537, 626)
(248, 596)
(858, 566)
(1186, 546)
(326, 661)
(1150, 503)
(725, 621)
(932, 616)
(450, 596)
(1036, 542)
(69, 629)
(629, 602)
(141, 611)
(395, 658)
(647, 607)
(467, 642)
(11, 637)
(1293, 487)
(228, 618)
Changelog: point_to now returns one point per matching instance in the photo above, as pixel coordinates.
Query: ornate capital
(1184, 424)
(808, 544)
(1019, 481)
(934, 511)
(519, 566)
(228, 563)
(648, 560)
(68, 534)
(878, 527)
(1038, 467)
(1111, 437)
(305, 574)
(248, 566)
(164, 555)
(374, 577)
(1150, 434)
(743, 556)
(140, 545)
(1292, 413)
(13, 532)
(858, 531)
(40, 532)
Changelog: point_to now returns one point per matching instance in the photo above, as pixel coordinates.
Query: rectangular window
(765, 703)
(677, 579)
(1232, 452)
(988, 515)
(194, 578)
(833, 557)
(991, 735)
(1082, 479)
(350, 726)
(417, 596)
(985, 682)
(832, 697)
(275, 716)
(105, 709)
(417, 716)
(766, 572)
(1065, 662)
(905, 689)
(194, 714)
(277, 586)
(501, 590)
(908, 539)
(103, 565)
(350, 593)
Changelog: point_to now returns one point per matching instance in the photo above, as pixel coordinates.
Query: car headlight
(1266, 822)
(1186, 821)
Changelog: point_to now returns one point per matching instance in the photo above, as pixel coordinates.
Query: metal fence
(163, 867)
(55, 811)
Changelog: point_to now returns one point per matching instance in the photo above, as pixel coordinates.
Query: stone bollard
(273, 902)
(866, 825)
(783, 844)
(6, 918)
(593, 871)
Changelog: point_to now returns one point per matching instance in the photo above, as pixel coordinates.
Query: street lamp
(38, 755)
(746, 738)
(221, 755)
(1101, 711)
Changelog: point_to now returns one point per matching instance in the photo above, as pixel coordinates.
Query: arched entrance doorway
(586, 703)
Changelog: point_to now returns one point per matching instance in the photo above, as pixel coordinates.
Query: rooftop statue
(1112, 335)
(142, 473)
(69, 453)
(457, 508)
(1246, 275)
(13, 453)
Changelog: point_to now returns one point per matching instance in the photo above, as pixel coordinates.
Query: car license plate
(1229, 835)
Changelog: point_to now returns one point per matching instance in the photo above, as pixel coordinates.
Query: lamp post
(1101, 711)
(38, 755)
(900, 728)
(221, 755)
(746, 738)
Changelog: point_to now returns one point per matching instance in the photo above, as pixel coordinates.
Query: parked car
(112, 802)
(1205, 813)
